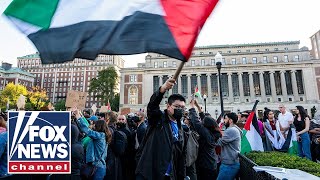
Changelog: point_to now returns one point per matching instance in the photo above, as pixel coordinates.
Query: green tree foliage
(11, 92)
(60, 105)
(104, 86)
(37, 97)
(115, 103)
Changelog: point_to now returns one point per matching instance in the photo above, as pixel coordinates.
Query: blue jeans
(228, 171)
(304, 146)
(100, 173)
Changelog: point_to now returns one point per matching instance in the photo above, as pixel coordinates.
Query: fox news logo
(39, 142)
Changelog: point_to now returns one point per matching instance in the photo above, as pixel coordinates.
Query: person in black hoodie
(208, 130)
(77, 152)
(77, 157)
(162, 154)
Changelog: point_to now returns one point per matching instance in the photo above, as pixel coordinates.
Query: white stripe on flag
(75, 11)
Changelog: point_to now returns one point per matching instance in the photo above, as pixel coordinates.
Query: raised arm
(153, 109)
(85, 129)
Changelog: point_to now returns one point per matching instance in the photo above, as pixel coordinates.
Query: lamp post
(216, 112)
(205, 102)
(218, 59)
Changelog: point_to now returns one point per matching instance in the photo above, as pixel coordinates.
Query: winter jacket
(158, 149)
(207, 157)
(77, 151)
(97, 148)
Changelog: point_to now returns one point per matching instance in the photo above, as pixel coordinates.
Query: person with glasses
(162, 153)
(285, 118)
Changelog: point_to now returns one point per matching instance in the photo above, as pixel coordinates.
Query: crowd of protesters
(179, 142)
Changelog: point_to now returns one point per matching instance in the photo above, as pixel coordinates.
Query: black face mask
(178, 113)
(121, 125)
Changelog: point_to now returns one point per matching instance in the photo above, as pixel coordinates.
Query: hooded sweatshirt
(230, 145)
(77, 152)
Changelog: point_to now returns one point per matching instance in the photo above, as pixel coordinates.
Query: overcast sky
(232, 22)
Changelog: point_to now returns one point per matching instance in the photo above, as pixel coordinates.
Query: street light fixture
(218, 59)
(205, 102)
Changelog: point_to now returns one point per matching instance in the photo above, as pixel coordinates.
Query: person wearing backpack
(192, 147)
(162, 154)
(208, 131)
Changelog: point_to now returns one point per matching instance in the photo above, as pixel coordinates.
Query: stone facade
(273, 73)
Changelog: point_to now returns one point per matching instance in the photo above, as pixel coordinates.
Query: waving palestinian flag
(251, 139)
(63, 30)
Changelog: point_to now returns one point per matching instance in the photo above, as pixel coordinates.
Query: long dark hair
(302, 113)
(101, 126)
(266, 114)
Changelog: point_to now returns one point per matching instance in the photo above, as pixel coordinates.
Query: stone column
(273, 87)
(262, 87)
(294, 85)
(199, 82)
(252, 93)
(284, 86)
(209, 99)
(179, 85)
(189, 85)
(160, 81)
(230, 87)
(241, 87)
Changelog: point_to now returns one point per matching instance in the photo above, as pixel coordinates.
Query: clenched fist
(167, 85)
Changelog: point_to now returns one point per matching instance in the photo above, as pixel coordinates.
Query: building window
(238, 51)
(300, 82)
(277, 79)
(184, 86)
(164, 64)
(256, 83)
(246, 84)
(257, 50)
(254, 60)
(265, 59)
(267, 49)
(133, 95)
(193, 62)
(244, 60)
(210, 52)
(267, 85)
(285, 48)
(194, 82)
(214, 85)
(224, 84)
(133, 78)
(276, 49)
(174, 64)
(155, 65)
(248, 50)
(235, 84)
(223, 61)
(202, 62)
(287, 76)
(286, 59)
(275, 58)
(213, 62)
(229, 51)
(296, 58)
(233, 61)
(204, 86)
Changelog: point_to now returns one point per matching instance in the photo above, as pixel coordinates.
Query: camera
(133, 117)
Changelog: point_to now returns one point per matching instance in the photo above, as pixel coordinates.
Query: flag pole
(176, 75)
(255, 105)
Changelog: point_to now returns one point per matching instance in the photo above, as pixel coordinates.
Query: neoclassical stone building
(273, 73)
